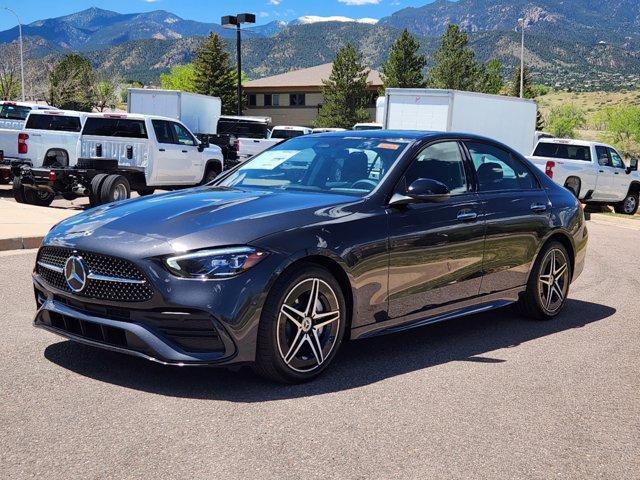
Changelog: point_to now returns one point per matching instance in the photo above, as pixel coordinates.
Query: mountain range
(577, 44)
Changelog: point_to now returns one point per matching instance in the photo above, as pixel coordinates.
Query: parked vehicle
(199, 113)
(327, 129)
(509, 120)
(367, 126)
(280, 260)
(248, 147)
(50, 138)
(12, 119)
(119, 153)
(594, 172)
(246, 130)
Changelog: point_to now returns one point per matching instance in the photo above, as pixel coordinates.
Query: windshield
(282, 133)
(348, 166)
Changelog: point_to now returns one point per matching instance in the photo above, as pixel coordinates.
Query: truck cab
(594, 172)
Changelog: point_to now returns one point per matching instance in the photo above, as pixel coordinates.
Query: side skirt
(459, 309)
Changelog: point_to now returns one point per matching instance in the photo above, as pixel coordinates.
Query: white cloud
(357, 3)
(274, 2)
(151, 1)
(263, 14)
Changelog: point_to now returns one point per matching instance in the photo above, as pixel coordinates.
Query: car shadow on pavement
(358, 363)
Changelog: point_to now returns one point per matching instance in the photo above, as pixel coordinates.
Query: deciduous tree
(72, 84)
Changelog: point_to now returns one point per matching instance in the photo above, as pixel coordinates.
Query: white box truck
(200, 113)
(509, 120)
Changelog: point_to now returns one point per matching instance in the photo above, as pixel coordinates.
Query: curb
(20, 243)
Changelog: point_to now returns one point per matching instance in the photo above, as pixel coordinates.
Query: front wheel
(301, 326)
(629, 206)
(210, 175)
(548, 283)
(114, 188)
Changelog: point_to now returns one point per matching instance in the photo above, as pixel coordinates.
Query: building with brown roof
(294, 98)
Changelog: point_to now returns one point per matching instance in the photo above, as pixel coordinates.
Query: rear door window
(115, 127)
(14, 112)
(498, 170)
(59, 123)
(562, 150)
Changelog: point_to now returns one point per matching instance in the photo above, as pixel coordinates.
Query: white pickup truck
(12, 119)
(50, 138)
(118, 153)
(248, 147)
(593, 171)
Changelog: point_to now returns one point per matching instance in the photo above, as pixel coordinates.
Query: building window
(253, 100)
(275, 99)
(267, 99)
(297, 99)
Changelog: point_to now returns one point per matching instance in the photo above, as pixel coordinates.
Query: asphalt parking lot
(489, 396)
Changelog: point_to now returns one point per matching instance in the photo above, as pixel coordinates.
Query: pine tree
(345, 92)
(403, 68)
(490, 77)
(72, 84)
(514, 85)
(455, 65)
(214, 74)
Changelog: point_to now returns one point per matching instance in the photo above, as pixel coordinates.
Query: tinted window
(347, 166)
(297, 99)
(241, 128)
(14, 112)
(182, 135)
(60, 123)
(442, 162)
(163, 131)
(498, 170)
(252, 100)
(560, 150)
(280, 133)
(115, 127)
(615, 159)
(267, 99)
(604, 158)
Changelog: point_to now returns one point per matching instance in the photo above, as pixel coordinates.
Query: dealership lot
(491, 396)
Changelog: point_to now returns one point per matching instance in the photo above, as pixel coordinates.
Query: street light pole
(521, 22)
(231, 21)
(21, 54)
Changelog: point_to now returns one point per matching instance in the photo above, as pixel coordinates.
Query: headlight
(214, 263)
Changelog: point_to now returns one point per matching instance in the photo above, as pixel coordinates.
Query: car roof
(572, 141)
(53, 111)
(403, 135)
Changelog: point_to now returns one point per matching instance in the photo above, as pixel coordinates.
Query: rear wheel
(210, 174)
(143, 192)
(41, 198)
(629, 206)
(18, 190)
(548, 284)
(573, 185)
(302, 325)
(96, 186)
(114, 189)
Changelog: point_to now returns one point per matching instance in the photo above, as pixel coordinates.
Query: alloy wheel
(553, 280)
(308, 325)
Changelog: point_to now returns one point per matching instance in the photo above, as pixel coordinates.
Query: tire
(18, 190)
(629, 206)
(143, 192)
(114, 188)
(573, 185)
(537, 301)
(96, 186)
(291, 348)
(41, 198)
(210, 174)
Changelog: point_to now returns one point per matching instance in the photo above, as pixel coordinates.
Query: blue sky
(207, 11)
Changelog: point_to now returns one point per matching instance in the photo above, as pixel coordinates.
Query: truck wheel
(18, 190)
(143, 192)
(96, 185)
(573, 185)
(41, 198)
(114, 189)
(629, 206)
(210, 174)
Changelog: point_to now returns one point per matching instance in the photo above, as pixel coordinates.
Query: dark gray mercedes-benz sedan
(320, 239)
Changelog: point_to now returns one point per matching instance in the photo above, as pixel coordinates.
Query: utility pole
(231, 21)
(521, 23)
(21, 54)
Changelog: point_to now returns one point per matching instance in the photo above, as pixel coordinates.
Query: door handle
(600, 171)
(185, 151)
(466, 216)
(161, 150)
(538, 207)
(616, 173)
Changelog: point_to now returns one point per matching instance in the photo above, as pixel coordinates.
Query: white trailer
(509, 120)
(200, 113)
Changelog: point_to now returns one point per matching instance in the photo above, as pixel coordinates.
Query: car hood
(195, 218)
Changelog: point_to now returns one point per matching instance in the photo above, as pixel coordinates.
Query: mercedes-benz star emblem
(75, 273)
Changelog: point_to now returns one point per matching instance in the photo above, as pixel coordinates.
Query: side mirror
(422, 190)
(203, 145)
(633, 165)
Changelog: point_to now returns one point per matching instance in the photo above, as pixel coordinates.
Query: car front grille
(108, 278)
